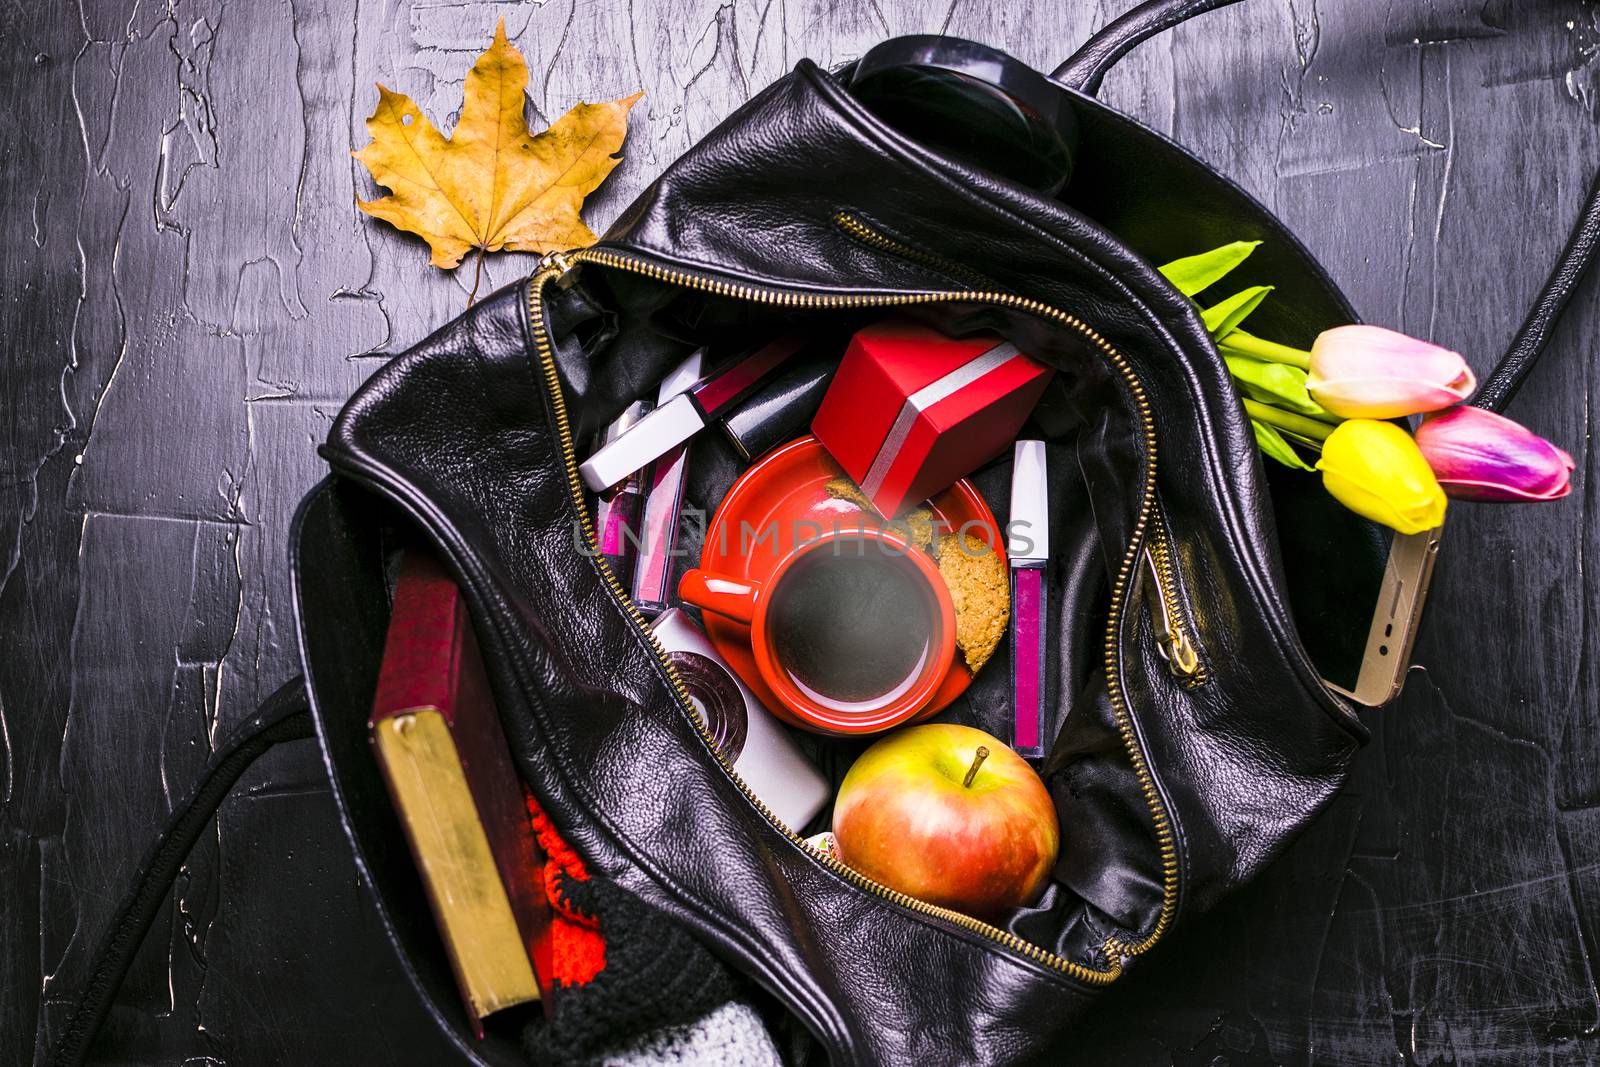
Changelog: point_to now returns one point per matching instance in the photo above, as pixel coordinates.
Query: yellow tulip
(1375, 469)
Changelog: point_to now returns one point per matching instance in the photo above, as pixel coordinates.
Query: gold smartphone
(1356, 588)
(1396, 614)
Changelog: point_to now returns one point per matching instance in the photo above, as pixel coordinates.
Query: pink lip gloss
(1028, 537)
(663, 503)
(617, 511)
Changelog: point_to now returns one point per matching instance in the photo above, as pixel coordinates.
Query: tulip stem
(1287, 420)
(977, 761)
(1303, 442)
(1243, 344)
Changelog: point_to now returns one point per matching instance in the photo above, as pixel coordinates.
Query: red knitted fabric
(619, 968)
(578, 949)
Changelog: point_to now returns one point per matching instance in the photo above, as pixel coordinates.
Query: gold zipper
(1171, 629)
(873, 239)
(1114, 949)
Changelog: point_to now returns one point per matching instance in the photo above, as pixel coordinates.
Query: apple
(951, 816)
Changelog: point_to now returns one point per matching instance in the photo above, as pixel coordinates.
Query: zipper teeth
(1160, 552)
(873, 239)
(1166, 575)
(1113, 948)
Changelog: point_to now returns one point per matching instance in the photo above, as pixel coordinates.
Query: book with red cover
(438, 738)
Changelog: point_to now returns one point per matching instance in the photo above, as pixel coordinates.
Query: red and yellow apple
(951, 816)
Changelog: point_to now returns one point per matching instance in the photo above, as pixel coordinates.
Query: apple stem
(977, 761)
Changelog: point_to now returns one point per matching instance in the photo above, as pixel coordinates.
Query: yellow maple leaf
(492, 184)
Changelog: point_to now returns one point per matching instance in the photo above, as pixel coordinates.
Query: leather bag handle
(1087, 67)
(284, 716)
(1530, 342)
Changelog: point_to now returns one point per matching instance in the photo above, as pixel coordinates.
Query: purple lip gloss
(1028, 537)
(617, 511)
(663, 503)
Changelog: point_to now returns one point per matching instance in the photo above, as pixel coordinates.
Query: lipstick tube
(617, 511)
(685, 414)
(1028, 547)
(663, 502)
(782, 408)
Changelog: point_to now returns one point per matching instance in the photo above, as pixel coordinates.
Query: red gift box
(911, 410)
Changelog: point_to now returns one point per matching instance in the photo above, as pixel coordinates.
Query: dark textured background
(189, 294)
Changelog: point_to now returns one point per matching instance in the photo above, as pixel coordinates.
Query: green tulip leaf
(1272, 444)
(1222, 319)
(1193, 274)
(1277, 384)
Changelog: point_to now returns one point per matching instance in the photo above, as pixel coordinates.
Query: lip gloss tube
(663, 502)
(1028, 537)
(617, 511)
(685, 414)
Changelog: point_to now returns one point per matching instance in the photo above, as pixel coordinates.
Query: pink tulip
(1367, 372)
(1478, 455)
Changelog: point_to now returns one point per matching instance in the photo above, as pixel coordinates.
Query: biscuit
(917, 526)
(980, 588)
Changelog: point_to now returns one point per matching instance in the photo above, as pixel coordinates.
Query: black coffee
(852, 624)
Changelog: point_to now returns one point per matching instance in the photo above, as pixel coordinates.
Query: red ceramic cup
(751, 603)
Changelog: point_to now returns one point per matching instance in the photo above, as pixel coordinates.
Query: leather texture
(1170, 795)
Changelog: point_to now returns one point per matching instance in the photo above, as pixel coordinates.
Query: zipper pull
(556, 261)
(1174, 645)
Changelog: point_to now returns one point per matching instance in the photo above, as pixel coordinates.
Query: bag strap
(1529, 343)
(1087, 67)
(284, 716)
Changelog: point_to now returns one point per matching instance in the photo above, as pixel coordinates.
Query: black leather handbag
(1180, 771)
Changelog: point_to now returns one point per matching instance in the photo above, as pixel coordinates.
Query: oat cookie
(917, 525)
(980, 588)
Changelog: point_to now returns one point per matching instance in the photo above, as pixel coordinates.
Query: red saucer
(767, 510)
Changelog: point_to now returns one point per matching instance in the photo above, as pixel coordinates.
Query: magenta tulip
(1478, 455)
(1367, 372)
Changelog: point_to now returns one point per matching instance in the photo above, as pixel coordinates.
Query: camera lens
(974, 103)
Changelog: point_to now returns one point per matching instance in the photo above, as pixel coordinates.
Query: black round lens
(972, 102)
